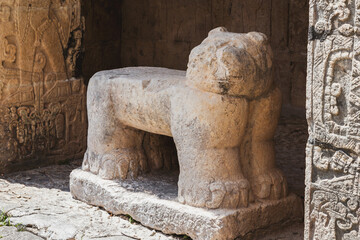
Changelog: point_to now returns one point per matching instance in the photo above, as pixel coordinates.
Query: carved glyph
(42, 114)
(222, 114)
(333, 112)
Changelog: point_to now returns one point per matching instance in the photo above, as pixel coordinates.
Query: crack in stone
(324, 145)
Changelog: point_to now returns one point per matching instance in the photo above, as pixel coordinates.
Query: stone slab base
(152, 200)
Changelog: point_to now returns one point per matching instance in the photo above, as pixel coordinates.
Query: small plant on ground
(5, 221)
(131, 220)
(20, 227)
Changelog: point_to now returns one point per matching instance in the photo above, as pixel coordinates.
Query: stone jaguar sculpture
(222, 114)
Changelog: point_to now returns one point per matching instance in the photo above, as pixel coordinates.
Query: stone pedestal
(333, 113)
(42, 97)
(152, 200)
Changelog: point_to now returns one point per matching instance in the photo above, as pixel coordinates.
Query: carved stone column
(42, 99)
(333, 113)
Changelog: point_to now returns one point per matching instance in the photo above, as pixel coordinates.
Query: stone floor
(40, 200)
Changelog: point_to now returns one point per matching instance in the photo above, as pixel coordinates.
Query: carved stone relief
(333, 113)
(42, 113)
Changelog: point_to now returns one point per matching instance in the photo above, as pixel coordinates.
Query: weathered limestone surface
(40, 200)
(152, 200)
(333, 91)
(12, 233)
(42, 113)
(222, 114)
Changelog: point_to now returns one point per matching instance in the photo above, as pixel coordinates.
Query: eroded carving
(222, 114)
(333, 114)
(5, 12)
(333, 15)
(42, 104)
(332, 212)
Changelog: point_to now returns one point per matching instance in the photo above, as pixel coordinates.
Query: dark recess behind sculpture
(161, 33)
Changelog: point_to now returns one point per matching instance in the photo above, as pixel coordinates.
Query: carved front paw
(113, 166)
(271, 185)
(122, 163)
(229, 194)
(116, 164)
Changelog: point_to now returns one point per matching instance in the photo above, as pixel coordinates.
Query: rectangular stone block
(333, 112)
(152, 200)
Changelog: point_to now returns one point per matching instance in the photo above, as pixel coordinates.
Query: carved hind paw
(114, 166)
(270, 185)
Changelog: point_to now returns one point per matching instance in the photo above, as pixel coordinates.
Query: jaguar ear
(217, 30)
(261, 50)
(258, 38)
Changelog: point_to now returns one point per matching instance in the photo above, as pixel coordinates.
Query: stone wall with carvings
(333, 113)
(162, 33)
(42, 102)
